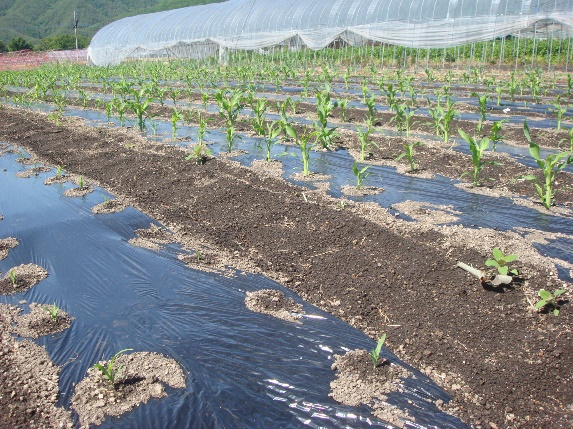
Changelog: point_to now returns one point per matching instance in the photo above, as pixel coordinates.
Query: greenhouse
(267, 25)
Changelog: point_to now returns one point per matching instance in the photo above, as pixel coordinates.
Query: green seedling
(549, 300)
(559, 111)
(477, 149)
(154, 126)
(550, 166)
(501, 261)
(176, 116)
(59, 170)
(53, 311)
(360, 174)
(109, 372)
(495, 133)
(199, 153)
(375, 353)
(304, 144)
(409, 154)
(81, 183)
(482, 103)
(197, 255)
(272, 132)
(343, 105)
(258, 122)
(13, 277)
(365, 144)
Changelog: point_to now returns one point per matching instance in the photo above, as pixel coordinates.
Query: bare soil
(358, 263)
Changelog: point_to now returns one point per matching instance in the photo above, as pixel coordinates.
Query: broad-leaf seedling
(549, 300)
(501, 261)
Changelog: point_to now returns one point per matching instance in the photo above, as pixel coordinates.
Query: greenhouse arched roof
(200, 31)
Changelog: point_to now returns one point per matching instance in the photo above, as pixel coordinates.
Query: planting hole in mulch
(363, 191)
(22, 278)
(274, 303)
(109, 206)
(5, 245)
(142, 376)
(58, 178)
(35, 171)
(358, 382)
(40, 322)
(152, 238)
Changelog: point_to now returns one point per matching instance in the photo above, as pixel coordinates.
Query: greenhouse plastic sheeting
(201, 31)
(243, 369)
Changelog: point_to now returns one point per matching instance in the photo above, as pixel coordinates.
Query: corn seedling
(175, 117)
(13, 277)
(202, 129)
(409, 154)
(501, 261)
(272, 132)
(81, 183)
(569, 139)
(360, 174)
(324, 107)
(303, 142)
(229, 104)
(477, 149)
(230, 137)
(482, 103)
(559, 111)
(343, 105)
(139, 106)
(109, 372)
(447, 117)
(259, 108)
(371, 118)
(549, 300)
(495, 133)
(375, 353)
(59, 170)
(154, 126)
(499, 91)
(550, 166)
(364, 143)
(53, 311)
(109, 109)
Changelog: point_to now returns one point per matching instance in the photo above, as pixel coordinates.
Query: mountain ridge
(35, 20)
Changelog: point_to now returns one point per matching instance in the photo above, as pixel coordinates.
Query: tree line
(57, 43)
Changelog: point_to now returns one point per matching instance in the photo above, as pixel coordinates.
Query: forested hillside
(34, 20)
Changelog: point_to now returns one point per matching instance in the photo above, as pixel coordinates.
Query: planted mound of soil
(58, 178)
(273, 303)
(432, 214)
(359, 382)
(78, 192)
(152, 238)
(28, 382)
(109, 206)
(38, 322)
(364, 190)
(142, 377)
(32, 172)
(25, 276)
(5, 245)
